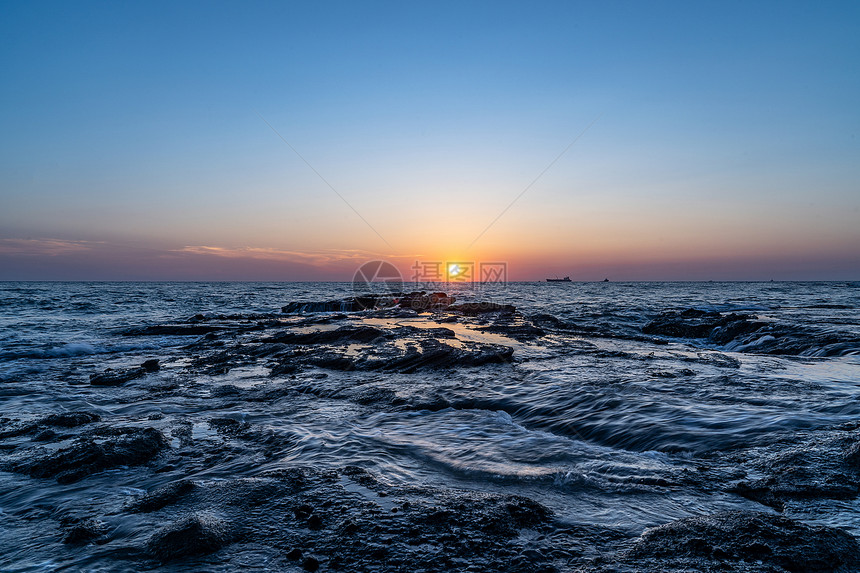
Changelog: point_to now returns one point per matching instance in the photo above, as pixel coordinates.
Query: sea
(603, 421)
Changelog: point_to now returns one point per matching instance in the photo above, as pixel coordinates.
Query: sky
(298, 140)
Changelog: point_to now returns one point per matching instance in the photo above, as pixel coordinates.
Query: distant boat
(557, 280)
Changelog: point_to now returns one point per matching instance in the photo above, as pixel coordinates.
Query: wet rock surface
(94, 453)
(70, 419)
(344, 335)
(747, 333)
(394, 345)
(515, 326)
(348, 520)
(162, 496)
(419, 301)
(762, 540)
(352, 304)
(812, 467)
(192, 535)
(111, 377)
(47, 425)
(84, 530)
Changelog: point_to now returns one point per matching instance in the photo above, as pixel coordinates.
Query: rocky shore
(295, 516)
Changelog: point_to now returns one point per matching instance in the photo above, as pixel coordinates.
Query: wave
(490, 445)
(73, 349)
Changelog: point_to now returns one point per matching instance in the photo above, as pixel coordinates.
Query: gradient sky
(725, 144)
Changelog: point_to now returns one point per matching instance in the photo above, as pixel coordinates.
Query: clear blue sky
(726, 144)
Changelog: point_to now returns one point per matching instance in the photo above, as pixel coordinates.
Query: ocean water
(598, 420)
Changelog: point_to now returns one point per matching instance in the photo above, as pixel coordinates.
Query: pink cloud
(45, 247)
(318, 258)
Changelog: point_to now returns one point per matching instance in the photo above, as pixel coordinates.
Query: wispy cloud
(319, 258)
(45, 247)
(67, 259)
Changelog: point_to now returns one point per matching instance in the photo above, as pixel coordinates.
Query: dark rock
(814, 469)
(172, 330)
(295, 554)
(851, 455)
(84, 530)
(315, 522)
(548, 320)
(339, 522)
(192, 535)
(690, 323)
(283, 369)
(163, 496)
(59, 420)
(112, 377)
(13, 429)
(151, 365)
(70, 419)
(87, 456)
(418, 300)
(266, 349)
(228, 426)
(332, 361)
(295, 479)
(303, 511)
(475, 308)
(421, 301)
(353, 304)
(440, 332)
(744, 333)
(311, 564)
(514, 326)
(326, 306)
(447, 319)
(752, 536)
(419, 354)
(45, 436)
(343, 335)
(436, 354)
(226, 390)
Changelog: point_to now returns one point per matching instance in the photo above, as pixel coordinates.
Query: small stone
(84, 530)
(192, 535)
(295, 554)
(70, 419)
(151, 365)
(45, 435)
(315, 522)
(303, 511)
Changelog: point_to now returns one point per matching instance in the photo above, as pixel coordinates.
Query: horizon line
(602, 281)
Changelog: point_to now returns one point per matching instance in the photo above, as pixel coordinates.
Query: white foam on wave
(72, 349)
(728, 307)
(66, 350)
(767, 339)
